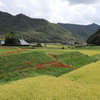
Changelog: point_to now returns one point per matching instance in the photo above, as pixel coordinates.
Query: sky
(56, 11)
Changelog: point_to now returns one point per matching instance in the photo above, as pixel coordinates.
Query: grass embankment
(12, 50)
(75, 59)
(18, 66)
(61, 88)
(32, 63)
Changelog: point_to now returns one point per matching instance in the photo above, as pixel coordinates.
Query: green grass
(75, 59)
(33, 63)
(96, 57)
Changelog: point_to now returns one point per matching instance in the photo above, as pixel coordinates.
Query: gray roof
(23, 42)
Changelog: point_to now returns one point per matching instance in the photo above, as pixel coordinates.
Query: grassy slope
(74, 58)
(16, 66)
(28, 64)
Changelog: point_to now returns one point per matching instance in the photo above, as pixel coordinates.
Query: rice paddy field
(50, 73)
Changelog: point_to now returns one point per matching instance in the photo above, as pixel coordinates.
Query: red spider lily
(28, 63)
(49, 66)
(18, 51)
(45, 66)
(61, 66)
(56, 60)
(57, 65)
(32, 68)
(25, 75)
(38, 65)
(2, 54)
(8, 52)
(69, 66)
(12, 52)
(54, 55)
(26, 67)
(4, 75)
(41, 67)
(25, 49)
(64, 65)
(53, 62)
(50, 54)
(78, 67)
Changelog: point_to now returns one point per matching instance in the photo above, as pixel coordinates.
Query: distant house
(68, 43)
(2, 42)
(23, 42)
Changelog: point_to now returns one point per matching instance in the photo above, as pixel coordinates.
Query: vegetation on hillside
(83, 31)
(95, 38)
(34, 30)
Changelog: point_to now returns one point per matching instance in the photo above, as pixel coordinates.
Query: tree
(11, 39)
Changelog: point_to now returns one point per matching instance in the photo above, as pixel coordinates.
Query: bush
(11, 39)
(62, 47)
(39, 45)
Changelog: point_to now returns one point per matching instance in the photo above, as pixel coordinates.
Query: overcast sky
(63, 11)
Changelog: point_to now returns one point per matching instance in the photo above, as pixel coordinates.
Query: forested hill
(34, 30)
(95, 38)
(82, 30)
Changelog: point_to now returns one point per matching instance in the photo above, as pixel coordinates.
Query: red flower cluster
(28, 63)
(12, 52)
(4, 75)
(53, 63)
(25, 75)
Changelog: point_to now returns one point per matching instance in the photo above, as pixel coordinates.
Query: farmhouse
(23, 42)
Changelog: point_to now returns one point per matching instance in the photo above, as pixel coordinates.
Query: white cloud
(55, 10)
(83, 1)
(1, 4)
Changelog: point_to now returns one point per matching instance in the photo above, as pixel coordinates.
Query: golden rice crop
(88, 74)
(48, 88)
(89, 52)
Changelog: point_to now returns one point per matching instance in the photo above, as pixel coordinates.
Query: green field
(49, 73)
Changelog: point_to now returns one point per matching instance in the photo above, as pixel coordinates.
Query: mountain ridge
(34, 29)
(82, 30)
